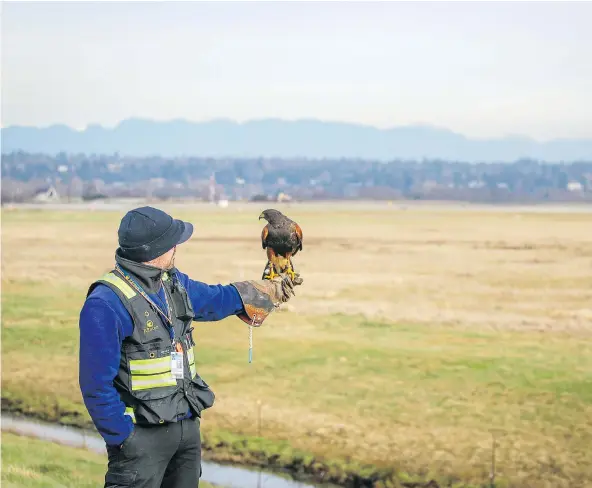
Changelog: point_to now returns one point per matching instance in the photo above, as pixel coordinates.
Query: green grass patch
(448, 388)
(33, 463)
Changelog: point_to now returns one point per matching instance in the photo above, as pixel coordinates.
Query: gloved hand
(261, 297)
(297, 279)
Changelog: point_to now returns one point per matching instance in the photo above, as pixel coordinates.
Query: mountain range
(285, 139)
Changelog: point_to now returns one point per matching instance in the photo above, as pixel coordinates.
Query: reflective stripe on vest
(151, 373)
(191, 360)
(120, 284)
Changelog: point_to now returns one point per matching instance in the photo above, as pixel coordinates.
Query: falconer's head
(150, 236)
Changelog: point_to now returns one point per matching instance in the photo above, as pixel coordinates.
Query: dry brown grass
(481, 268)
(417, 333)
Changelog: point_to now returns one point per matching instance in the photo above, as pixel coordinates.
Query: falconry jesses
(282, 237)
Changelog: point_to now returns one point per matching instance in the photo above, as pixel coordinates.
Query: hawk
(282, 237)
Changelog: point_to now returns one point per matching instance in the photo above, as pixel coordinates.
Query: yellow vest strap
(120, 284)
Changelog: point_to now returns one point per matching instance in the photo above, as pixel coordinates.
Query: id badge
(177, 365)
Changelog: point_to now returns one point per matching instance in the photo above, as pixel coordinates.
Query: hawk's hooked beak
(262, 216)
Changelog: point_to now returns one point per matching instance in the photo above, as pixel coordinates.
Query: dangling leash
(265, 276)
(251, 340)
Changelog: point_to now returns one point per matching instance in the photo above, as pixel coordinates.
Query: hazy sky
(482, 69)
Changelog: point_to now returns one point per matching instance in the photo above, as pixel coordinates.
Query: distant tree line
(94, 176)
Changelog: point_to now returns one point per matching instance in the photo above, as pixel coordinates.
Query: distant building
(46, 194)
(283, 197)
(476, 184)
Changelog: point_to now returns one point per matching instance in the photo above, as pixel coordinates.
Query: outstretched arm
(211, 302)
(251, 301)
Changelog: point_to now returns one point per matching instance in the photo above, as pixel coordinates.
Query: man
(137, 369)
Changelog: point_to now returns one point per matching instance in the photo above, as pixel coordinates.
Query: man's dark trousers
(157, 456)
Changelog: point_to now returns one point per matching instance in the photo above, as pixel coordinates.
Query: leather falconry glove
(297, 279)
(261, 297)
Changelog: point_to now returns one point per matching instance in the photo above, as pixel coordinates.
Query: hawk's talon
(291, 273)
(272, 274)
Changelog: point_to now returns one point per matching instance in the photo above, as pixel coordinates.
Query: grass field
(417, 337)
(33, 463)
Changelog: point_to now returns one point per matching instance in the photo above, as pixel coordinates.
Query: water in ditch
(217, 474)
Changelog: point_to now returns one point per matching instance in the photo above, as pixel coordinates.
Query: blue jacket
(104, 323)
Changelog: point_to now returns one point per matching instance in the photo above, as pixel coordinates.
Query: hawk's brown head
(272, 216)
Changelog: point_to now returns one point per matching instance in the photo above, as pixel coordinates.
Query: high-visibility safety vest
(144, 381)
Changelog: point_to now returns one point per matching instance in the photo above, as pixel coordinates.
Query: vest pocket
(150, 374)
(202, 393)
(147, 374)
